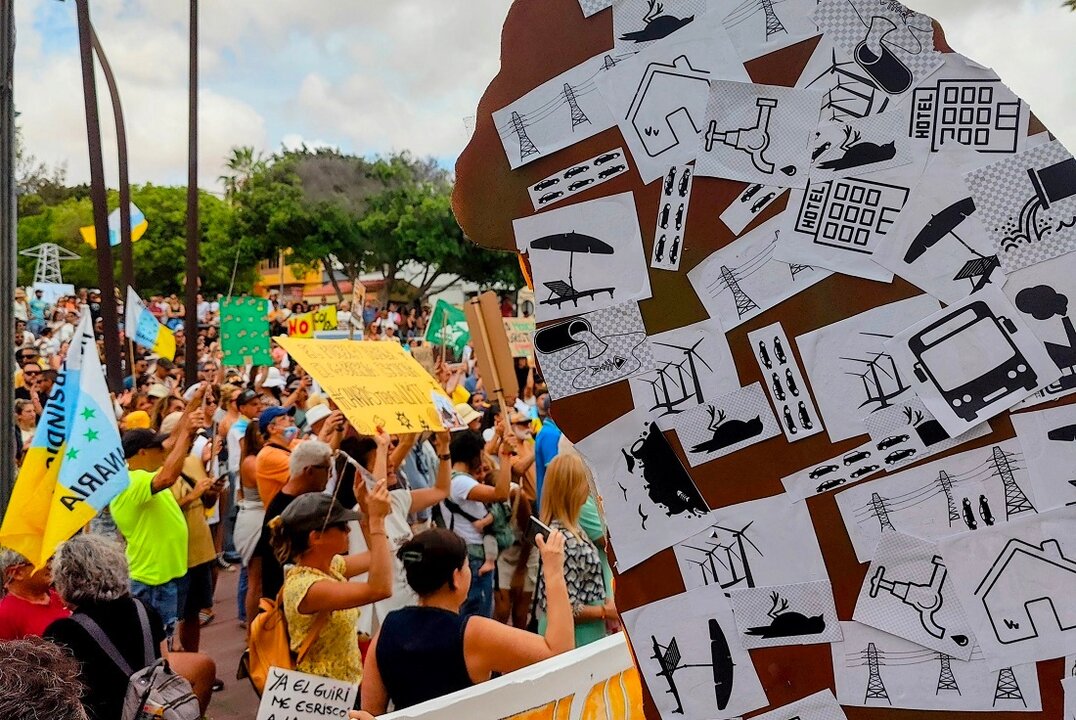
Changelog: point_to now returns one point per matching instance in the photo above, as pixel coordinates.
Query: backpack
(155, 692)
(500, 528)
(269, 644)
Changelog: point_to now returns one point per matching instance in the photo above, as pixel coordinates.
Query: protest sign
(294, 695)
(304, 325)
(375, 384)
(244, 331)
(594, 681)
(424, 355)
(520, 331)
(448, 327)
(491, 346)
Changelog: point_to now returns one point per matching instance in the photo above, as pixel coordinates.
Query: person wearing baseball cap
(277, 426)
(150, 520)
(311, 534)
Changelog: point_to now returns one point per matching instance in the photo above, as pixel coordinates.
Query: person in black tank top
(428, 651)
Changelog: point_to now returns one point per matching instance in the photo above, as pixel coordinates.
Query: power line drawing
(671, 392)
(878, 507)
(946, 680)
(1016, 501)
(795, 269)
(1007, 687)
(882, 381)
(745, 11)
(875, 686)
(744, 303)
(609, 62)
(526, 147)
(725, 561)
(578, 116)
(946, 485)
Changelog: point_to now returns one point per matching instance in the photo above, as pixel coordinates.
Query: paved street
(225, 641)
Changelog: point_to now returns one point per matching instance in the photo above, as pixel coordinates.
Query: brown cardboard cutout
(542, 38)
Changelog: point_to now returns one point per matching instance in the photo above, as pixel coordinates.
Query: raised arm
(334, 595)
(399, 454)
(501, 491)
(490, 646)
(173, 464)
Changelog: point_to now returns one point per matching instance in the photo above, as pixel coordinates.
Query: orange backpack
(269, 644)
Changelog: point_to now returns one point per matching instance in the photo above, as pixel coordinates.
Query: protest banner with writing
(448, 326)
(594, 681)
(304, 325)
(520, 331)
(375, 384)
(244, 331)
(294, 695)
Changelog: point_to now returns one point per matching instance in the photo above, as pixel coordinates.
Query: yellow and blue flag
(139, 225)
(74, 465)
(146, 330)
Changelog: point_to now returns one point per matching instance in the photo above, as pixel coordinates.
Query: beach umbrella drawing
(573, 243)
(942, 224)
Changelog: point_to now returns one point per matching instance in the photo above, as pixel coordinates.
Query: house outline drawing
(1018, 579)
(689, 90)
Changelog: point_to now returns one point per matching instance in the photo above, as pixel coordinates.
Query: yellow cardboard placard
(375, 384)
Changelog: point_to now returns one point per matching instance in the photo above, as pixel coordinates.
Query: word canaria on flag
(139, 225)
(74, 465)
(145, 329)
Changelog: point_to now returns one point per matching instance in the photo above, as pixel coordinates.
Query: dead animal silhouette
(859, 153)
(787, 624)
(657, 25)
(729, 432)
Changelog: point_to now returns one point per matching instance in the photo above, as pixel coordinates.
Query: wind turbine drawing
(663, 396)
(874, 387)
(736, 562)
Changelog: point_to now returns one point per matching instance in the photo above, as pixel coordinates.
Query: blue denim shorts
(162, 598)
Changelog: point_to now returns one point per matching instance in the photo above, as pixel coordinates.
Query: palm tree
(243, 163)
(1070, 4)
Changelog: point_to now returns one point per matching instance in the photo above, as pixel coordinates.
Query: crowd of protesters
(409, 564)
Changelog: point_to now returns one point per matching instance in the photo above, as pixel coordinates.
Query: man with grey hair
(27, 602)
(308, 471)
(39, 681)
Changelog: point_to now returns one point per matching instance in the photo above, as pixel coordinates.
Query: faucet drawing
(926, 598)
(753, 140)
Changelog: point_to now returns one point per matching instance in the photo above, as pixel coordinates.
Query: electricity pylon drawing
(578, 116)
(875, 686)
(946, 484)
(1016, 501)
(880, 511)
(946, 680)
(526, 147)
(744, 304)
(1007, 687)
(773, 23)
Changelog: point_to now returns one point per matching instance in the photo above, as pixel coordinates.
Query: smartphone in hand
(537, 527)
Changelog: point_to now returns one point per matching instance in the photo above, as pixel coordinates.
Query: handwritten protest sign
(244, 330)
(294, 695)
(375, 384)
(305, 325)
(520, 330)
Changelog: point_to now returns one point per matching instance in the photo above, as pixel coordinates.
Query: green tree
(242, 164)
(392, 215)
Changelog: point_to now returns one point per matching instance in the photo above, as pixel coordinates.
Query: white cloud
(374, 77)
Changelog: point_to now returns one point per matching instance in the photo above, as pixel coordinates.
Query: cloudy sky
(374, 77)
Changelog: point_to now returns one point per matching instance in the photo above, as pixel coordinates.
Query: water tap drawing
(925, 598)
(753, 140)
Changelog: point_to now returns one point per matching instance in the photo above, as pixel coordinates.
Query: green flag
(448, 326)
(244, 331)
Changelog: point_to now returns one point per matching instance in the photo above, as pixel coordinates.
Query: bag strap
(457, 510)
(312, 635)
(147, 636)
(98, 636)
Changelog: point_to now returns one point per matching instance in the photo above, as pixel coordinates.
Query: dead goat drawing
(728, 432)
(657, 25)
(858, 153)
(787, 624)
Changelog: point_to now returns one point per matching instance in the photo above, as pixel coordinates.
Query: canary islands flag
(75, 464)
(144, 329)
(139, 225)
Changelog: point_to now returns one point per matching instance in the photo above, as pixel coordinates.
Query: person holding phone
(564, 494)
(433, 649)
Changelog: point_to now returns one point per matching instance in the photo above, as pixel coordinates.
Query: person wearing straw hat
(312, 535)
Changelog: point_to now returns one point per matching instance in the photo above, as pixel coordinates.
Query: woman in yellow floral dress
(312, 535)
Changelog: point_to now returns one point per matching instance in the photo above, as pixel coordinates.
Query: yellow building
(296, 282)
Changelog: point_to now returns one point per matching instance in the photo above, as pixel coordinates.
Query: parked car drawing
(856, 456)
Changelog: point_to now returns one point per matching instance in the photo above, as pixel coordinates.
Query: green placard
(448, 326)
(244, 331)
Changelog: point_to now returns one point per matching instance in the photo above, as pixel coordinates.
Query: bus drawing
(969, 356)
